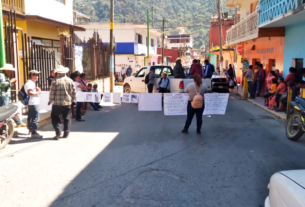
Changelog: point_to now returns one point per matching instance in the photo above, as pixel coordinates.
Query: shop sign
(263, 51)
(239, 50)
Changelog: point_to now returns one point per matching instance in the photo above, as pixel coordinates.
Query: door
(137, 83)
(298, 64)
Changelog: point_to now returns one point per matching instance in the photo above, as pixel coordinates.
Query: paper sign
(215, 103)
(107, 98)
(44, 100)
(175, 104)
(89, 97)
(126, 98)
(80, 96)
(117, 98)
(96, 97)
(134, 98)
(150, 102)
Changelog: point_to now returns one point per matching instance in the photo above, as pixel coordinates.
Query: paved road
(122, 157)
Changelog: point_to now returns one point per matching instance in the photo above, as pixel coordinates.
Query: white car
(137, 84)
(287, 189)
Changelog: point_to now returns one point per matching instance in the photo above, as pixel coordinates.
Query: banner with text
(130, 98)
(215, 103)
(175, 104)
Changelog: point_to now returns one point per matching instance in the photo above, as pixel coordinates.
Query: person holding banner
(62, 94)
(196, 92)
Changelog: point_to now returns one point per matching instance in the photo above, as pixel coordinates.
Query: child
(274, 102)
(94, 89)
(94, 106)
(116, 77)
(271, 91)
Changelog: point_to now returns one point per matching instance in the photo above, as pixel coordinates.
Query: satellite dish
(202, 48)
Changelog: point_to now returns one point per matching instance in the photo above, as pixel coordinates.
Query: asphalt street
(121, 157)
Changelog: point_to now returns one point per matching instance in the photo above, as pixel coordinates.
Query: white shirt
(123, 71)
(77, 84)
(34, 100)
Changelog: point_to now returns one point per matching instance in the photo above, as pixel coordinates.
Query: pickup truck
(136, 83)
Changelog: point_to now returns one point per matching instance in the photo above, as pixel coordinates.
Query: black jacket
(179, 71)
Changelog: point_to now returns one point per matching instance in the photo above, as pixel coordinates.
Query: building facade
(255, 43)
(131, 42)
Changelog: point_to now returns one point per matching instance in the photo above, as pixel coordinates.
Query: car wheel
(127, 89)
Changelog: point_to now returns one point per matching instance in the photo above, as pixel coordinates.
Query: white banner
(93, 97)
(117, 98)
(107, 98)
(215, 103)
(150, 102)
(78, 54)
(175, 104)
(44, 100)
(130, 98)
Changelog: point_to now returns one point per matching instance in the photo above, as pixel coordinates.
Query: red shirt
(281, 88)
(196, 69)
(290, 78)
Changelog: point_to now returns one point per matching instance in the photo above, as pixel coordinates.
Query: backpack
(212, 68)
(23, 96)
(197, 102)
(161, 82)
(147, 78)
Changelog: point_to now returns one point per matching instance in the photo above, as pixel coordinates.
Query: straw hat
(34, 72)
(61, 69)
(8, 67)
(95, 83)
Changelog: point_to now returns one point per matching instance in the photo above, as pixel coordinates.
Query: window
(152, 42)
(168, 71)
(139, 38)
(158, 70)
(141, 73)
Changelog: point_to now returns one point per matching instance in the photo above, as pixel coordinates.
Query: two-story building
(43, 22)
(255, 43)
(289, 15)
(131, 42)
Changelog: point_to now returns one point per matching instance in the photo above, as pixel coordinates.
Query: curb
(262, 107)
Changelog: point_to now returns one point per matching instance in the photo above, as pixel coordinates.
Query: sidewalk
(260, 102)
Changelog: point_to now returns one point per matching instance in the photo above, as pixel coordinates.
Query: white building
(181, 41)
(130, 39)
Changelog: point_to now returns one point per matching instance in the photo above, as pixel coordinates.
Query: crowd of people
(275, 94)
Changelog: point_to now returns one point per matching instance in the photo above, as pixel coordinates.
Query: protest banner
(107, 98)
(117, 98)
(80, 96)
(130, 98)
(175, 104)
(150, 102)
(97, 97)
(44, 100)
(215, 103)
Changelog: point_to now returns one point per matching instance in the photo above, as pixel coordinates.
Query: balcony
(17, 5)
(280, 13)
(245, 30)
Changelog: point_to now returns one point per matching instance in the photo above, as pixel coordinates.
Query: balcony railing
(17, 5)
(246, 29)
(271, 9)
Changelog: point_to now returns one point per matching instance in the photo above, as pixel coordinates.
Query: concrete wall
(51, 9)
(294, 44)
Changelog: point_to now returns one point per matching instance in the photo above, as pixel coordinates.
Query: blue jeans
(259, 87)
(190, 114)
(94, 106)
(33, 118)
(78, 107)
(6, 100)
(150, 88)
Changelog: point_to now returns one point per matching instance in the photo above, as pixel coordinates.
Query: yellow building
(44, 22)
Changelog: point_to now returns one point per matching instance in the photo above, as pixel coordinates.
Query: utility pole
(235, 48)
(220, 37)
(111, 44)
(162, 50)
(2, 48)
(152, 17)
(147, 40)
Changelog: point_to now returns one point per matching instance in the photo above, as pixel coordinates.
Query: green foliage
(176, 12)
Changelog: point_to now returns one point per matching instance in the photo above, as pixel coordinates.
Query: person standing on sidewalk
(62, 95)
(250, 76)
(33, 107)
(6, 88)
(260, 79)
(123, 73)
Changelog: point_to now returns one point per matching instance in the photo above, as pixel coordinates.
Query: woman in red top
(291, 77)
(279, 91)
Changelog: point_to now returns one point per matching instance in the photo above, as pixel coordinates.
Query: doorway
(298, 64)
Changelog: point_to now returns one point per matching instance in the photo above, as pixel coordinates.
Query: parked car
(136, 82)
(287, 189)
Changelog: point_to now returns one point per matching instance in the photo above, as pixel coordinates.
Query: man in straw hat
(6, 88)
(33, 107)
(62, 95)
